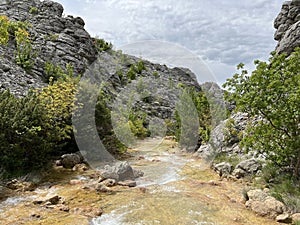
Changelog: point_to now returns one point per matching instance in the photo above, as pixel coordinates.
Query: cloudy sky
(221, 33)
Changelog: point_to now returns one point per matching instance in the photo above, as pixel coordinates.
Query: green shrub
(140, 66)
(155, 74)
(54, 73)
(272, 92)
(33, 10)
(190, 96)
(102, 45)
(131, 74)
(35, 127)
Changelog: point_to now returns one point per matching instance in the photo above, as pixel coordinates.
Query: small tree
(272, 94)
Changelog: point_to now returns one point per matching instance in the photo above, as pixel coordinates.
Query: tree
(271, 95)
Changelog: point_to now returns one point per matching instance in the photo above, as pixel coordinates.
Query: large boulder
(264, 205)
(121, 171)
(68, 161)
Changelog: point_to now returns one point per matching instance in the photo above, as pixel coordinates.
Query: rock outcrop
(55, 39)
(264, 205)
(287, 24)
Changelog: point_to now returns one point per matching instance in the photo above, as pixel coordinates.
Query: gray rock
(109, 182)
(102, 188)
(223, 168)
(120, 171)
(287, 25)
(205, 152)
(70, 160)
(48, 26)
(247, 167)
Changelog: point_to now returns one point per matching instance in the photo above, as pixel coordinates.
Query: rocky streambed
(175, 189)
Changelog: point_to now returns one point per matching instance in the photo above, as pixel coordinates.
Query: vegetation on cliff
(272, 95)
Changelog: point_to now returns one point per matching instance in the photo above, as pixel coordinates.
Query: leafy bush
(54, 73)
(272, 92)
(131, 74)
(140, 66)
(202, 112)
(24, 53)
(35, 127)
(33, 10)
(102, 45)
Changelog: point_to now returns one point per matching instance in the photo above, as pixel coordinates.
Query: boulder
(223, 168)
(120, 171)
(264, 205)
(102, 188)
(284, 218)
(68, 161)
(296, 217)
(109, 182)
(20, 185)
(247, 167)
(205, 152)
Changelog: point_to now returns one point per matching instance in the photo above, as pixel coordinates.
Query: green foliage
(135, 69)
(4, 25)
(131, 74)
(51, 37)
(102, 45)
(224, 157)
(104, 125)
(35, 127)
(140, 66)
(33, 10)
(24, 52)
(137, 124)
(197, 98)
(53, 73)
(231, 132)
(272, 92)
(155, 74)
(285, 189)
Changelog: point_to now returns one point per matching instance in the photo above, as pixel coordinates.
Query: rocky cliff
(287, 24)
(55, 39)
(62, 41)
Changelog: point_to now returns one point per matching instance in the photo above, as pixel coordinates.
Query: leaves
(272, 92)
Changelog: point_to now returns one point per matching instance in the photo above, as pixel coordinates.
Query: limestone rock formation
(55, 39)
(287, 24)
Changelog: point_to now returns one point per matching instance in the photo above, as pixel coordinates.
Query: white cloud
(224, 32)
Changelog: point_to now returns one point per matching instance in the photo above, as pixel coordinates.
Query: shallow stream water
(176, 189)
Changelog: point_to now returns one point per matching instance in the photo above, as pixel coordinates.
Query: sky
(221, 34)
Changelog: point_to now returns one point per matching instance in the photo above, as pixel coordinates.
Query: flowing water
(175, 189)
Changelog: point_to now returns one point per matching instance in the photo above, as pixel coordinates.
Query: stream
(175, 189)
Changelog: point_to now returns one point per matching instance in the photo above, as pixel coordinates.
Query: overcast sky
(222, 33)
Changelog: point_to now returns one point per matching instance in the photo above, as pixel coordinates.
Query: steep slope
(55, 39)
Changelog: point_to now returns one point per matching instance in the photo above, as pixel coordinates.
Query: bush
(272, 93)
(24, 52)
(102, 45)
(202, 112)
(35, 127)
